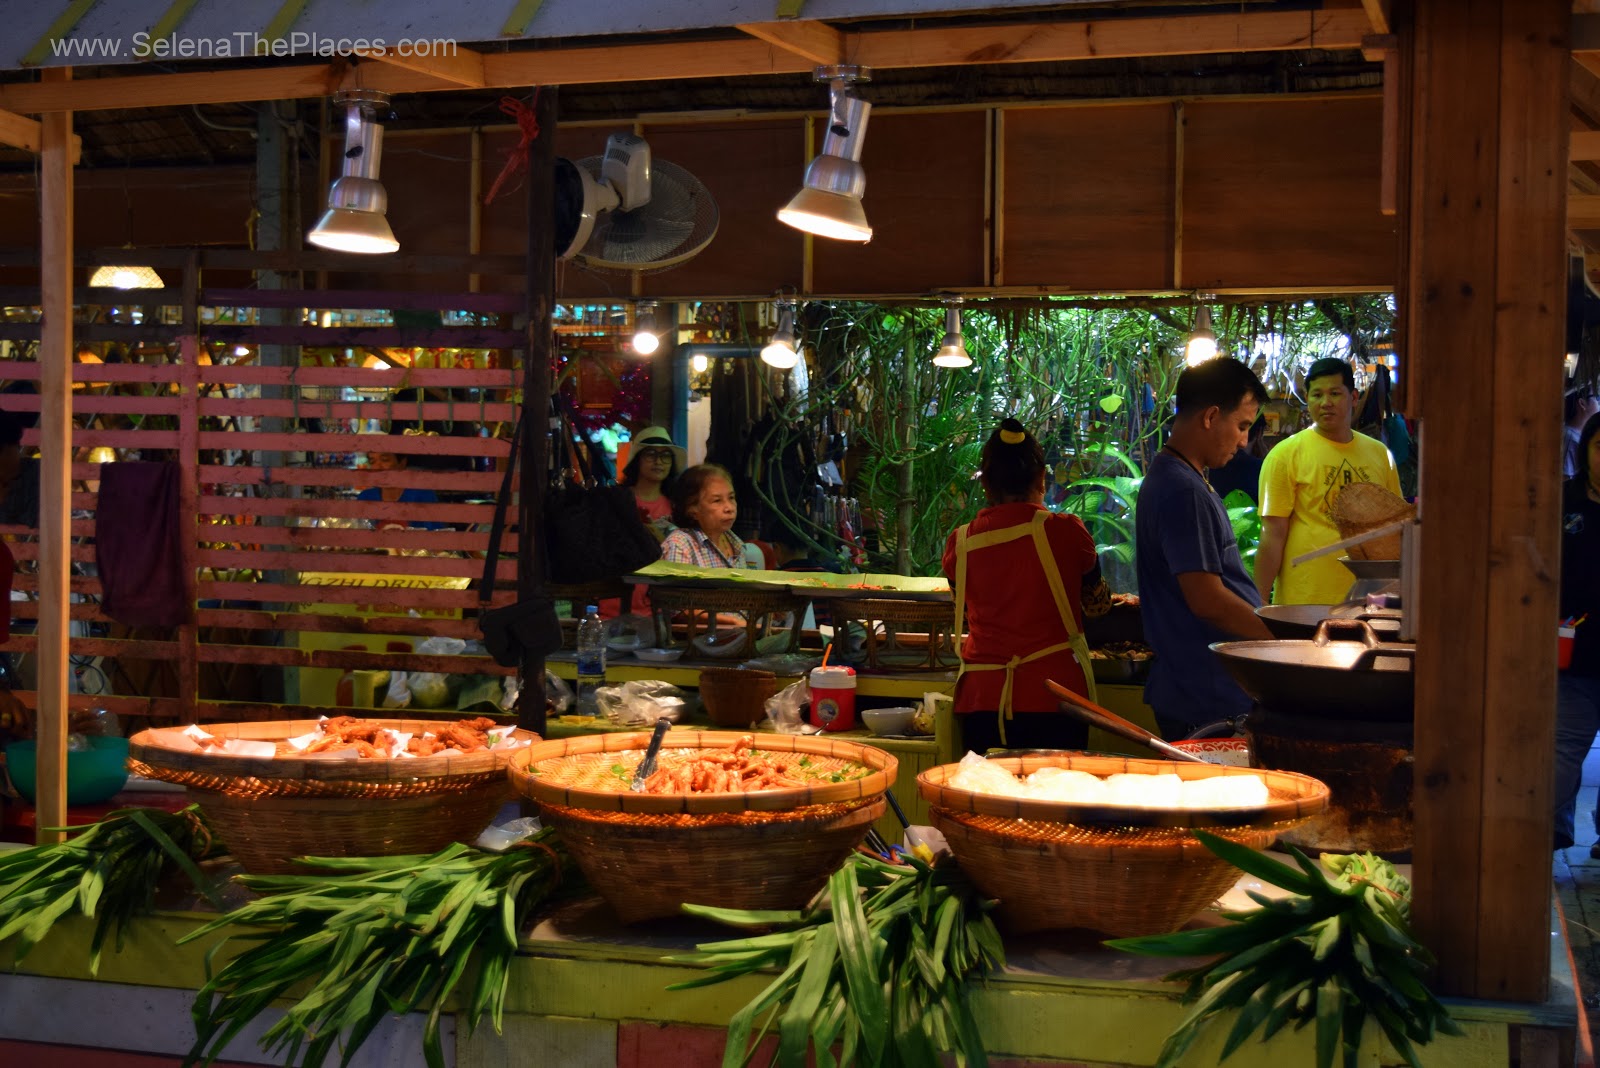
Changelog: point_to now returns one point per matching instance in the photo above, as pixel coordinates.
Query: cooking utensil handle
(1108, 720)
(1361, 626)
(647, 766)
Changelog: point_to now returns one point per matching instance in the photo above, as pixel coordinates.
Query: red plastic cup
(1564, 648)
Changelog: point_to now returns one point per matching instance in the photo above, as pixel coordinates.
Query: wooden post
(538, 362)
(55, 460)
(1487, 196)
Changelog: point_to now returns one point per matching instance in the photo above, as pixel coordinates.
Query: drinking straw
(1580, 619)
(825, 653)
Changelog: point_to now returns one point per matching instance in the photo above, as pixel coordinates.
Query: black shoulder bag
(528, 628)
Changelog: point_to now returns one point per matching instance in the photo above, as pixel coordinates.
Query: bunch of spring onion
(1338, 952)
(377, 936)
(877, 963)
(107, 872)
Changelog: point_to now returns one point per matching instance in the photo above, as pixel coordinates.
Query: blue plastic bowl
(93, 775)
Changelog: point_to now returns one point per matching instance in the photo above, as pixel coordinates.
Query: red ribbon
(517, 156)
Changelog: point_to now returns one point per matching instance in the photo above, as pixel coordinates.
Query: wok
(1369, 680)
(1299, 621)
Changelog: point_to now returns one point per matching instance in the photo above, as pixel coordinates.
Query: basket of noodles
(1364, 506)
(1105, 843)
(731, 820)
(336, 787)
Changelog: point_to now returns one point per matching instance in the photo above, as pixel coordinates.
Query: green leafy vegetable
(107, 871)
(1337, 953)
(878, 964)
(373, 937)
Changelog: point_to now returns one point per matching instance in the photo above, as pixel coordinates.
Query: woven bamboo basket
(1364, 506)
(1117, 871)
(269, 810)
(699, 606)
(736, 697)
(917, 635)
(648, 854)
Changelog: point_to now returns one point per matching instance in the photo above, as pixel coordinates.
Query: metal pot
(1369, 680)
(1298, 622)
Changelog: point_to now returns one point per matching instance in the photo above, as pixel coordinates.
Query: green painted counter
(587, 993)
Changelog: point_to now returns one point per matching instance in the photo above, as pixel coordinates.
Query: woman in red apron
(1024, 577)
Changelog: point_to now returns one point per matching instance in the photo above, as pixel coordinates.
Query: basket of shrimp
(338, 787)
(747, 821)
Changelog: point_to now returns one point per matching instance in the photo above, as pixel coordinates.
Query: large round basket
(268, 810)
(648, 854)
(1058, 865)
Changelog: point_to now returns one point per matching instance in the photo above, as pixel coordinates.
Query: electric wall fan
(624, 212)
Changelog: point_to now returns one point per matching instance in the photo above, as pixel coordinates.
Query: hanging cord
(517, 158)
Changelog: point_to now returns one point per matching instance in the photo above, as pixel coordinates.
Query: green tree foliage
(1092, 379)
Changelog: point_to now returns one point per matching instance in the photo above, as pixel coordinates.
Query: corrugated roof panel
(120, 32)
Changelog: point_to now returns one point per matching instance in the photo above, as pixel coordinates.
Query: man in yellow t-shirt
(1299, 480)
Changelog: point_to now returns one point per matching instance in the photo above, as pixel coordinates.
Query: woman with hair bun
(1024, 578)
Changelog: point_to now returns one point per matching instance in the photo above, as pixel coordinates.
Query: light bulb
(953, 350)
(780, 354)
(700, 362)
(645, 340)
(1202, 345)
(782, 351)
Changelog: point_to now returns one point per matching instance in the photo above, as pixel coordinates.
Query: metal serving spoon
(647, 766)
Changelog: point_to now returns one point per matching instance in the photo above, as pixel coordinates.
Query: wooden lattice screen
(289, 566)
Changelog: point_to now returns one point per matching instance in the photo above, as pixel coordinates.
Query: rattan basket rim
(876, 782)
(893, 610)
(162, 751)
(1295, 796)
(724, 599)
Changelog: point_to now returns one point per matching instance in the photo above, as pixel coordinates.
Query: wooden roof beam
(815, 41)
(1377, 15)
(923, 46)
(1585, 145)
(461, 66)
(19, 131)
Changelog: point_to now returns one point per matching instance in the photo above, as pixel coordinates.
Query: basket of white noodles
(1105, 843)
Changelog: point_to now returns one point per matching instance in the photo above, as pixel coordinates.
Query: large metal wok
(1365, 680)
(1300, 621)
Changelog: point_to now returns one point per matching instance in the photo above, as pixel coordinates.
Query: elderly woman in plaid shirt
(704, 508)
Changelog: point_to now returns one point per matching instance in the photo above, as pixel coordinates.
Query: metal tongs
(1107, 720)
(647, 766)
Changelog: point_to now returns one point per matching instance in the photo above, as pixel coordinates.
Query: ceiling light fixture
(700, 363)
(1202, 344)
(122, 276)
(354, 221)
(829, 203)
(782, 351)
(645, 339)
(953, 350)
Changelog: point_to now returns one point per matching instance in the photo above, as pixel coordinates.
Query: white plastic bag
(786, 708)
(641, 702)
(398, 695)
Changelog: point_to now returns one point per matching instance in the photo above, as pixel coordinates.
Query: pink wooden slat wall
(250, 529)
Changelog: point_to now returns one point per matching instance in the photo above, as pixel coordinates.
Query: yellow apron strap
(1058, 590)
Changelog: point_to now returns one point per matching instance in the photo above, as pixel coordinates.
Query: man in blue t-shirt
(1193, 588)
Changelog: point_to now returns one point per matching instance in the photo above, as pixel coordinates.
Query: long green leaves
(878, 964)
(385, 935)
(107, 872)
(1339, 952)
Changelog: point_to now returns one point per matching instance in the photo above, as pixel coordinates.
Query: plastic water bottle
(591, 661)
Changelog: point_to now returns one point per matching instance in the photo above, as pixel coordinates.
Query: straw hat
(658, 436)
(1364, 506)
